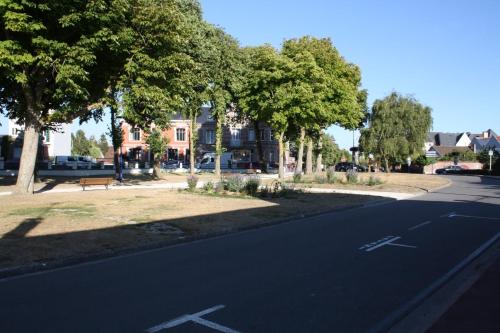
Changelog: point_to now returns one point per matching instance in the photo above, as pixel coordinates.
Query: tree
(333, 93)
(79, 144)
(103, 144)
(268, 93)
(330, 150)
(50, 52)
(225, 72)
(157, 145)
(398, 126)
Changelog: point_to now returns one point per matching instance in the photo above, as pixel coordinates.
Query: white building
(56, 142)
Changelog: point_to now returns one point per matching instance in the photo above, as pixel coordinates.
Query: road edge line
(403, 311)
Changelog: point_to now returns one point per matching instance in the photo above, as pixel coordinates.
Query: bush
(297, 177)
(234, 183)
(373, 180)
(209, 187)
(192, 182)
(352, 176)
(330, 176)
(320, 179)
(252, 185)
(265, 192)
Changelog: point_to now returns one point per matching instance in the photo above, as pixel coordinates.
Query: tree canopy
(398, 126)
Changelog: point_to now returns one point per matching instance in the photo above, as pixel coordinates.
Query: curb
(20, 271)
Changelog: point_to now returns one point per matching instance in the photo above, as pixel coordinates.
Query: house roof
(445, 150)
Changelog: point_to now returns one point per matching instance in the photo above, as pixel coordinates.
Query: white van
(208, 161)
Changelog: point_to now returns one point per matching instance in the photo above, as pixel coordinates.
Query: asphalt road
(340, 272)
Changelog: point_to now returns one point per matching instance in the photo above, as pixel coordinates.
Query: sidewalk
(478, 310)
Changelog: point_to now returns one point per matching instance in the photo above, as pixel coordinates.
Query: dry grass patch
(391, 182)
(48, 227)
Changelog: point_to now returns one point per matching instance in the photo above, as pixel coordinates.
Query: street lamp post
(490, 152)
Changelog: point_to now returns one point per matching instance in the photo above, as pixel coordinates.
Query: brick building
(238, 137)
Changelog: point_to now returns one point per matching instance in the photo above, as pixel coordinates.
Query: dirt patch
(55, 226)
(391, 182)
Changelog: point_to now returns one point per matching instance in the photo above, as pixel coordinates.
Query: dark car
(451, 169)
(344, 166)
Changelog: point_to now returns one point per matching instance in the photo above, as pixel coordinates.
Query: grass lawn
(55, 226)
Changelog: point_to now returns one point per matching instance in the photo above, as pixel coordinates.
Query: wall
(431, 169)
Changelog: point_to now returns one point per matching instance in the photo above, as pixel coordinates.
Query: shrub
(209, 186)
(373, 180)
(320, 179)
(265, 192)
(219, 187)
(252, 185)
(192, 181)
(351, 176)
(330, 176)
(234, 183)
(297, 177)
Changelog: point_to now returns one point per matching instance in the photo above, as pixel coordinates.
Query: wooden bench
(95, 181)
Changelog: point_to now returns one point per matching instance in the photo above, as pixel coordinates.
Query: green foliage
(423, 160)
(157, 143)
(320, 179)
(103, 144)
(330, 175)
(330, 150)
(484, 157)
(234, 183)
(80, 145)
(467, 155)
(351, 176)
(252, 185)
(192, 181)
(374, 180)
(398, 128)
(297, 177)
(209, 187)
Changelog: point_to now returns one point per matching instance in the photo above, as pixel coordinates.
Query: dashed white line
(419, 225)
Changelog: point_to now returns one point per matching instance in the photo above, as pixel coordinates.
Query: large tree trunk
(192, 135)
(319, 157)
(218, 145)
(300, 156)
(116, 141)
(281, 156)
(309, 157)
(157, 167)
(260, 151)
(26, 175)
(386, 163)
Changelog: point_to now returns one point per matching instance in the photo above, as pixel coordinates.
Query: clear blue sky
(444, 53)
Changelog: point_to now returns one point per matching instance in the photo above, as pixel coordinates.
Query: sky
(444, 53)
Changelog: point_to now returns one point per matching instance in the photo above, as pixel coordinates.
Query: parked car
(208, 161)
(344, 166)
(451, 169)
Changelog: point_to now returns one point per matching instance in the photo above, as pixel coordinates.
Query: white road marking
(402, 245)
(419, 225)
(450, 214)
(382, 242)
(195, 317)
(474, 217)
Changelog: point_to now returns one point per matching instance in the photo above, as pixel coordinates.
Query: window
(135, 134)
(180, 134)
(265, 135)
(235, 136)
(209, 136)
(251, 135)
(47, 136)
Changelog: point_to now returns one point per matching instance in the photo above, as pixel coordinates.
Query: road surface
(350, 271)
